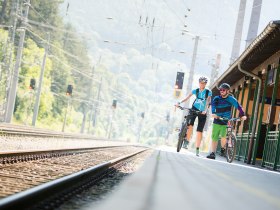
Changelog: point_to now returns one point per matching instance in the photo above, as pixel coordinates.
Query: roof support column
(278, 143)
(271, 120)
(247, 105)
(251, 144)
(252, 117)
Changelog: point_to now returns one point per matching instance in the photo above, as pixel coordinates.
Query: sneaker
(211, 156)
(223, 151)
(185, 144)
(197, 152)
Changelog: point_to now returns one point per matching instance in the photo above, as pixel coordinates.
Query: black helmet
(224, 86)
(203, 79)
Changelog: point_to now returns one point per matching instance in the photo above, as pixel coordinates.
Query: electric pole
(238, 32)
(13, 90)
(38, 95)
(215, 69)
(254, 22)
(191, 73)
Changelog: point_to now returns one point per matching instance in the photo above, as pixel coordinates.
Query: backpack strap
(207, 93)
(197, 92)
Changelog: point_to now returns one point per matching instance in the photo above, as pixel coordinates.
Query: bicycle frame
(184, 126)
(229, 131)
(230, 140)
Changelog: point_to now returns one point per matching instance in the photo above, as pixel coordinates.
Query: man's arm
(238, 106)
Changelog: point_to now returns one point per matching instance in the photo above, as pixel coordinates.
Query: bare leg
(198, 138)
(214, 146)
(189, 133)
(223, 142)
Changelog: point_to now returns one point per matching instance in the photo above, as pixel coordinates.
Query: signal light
(32, 84)
(114, 104)
(69, 90)
(179, 80)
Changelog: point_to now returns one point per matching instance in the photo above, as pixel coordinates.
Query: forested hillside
(143, 100)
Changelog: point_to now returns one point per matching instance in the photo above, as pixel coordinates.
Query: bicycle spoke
(230, 148)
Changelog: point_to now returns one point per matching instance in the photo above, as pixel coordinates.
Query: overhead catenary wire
(58, 48)
(72, 68)
(173, 12)
(67, 53)
(38, 13)
(75, 69)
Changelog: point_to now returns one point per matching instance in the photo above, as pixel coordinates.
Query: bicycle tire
(182, 136)
(230, 151)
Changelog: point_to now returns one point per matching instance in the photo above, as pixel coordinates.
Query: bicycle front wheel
(182, 136)
(230, 148)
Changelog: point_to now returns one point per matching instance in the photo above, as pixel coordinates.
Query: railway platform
(182, 181)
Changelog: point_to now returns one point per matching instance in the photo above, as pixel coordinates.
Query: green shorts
(219, 131)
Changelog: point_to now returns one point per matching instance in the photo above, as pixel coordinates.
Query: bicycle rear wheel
(230, 148)
(182, 136)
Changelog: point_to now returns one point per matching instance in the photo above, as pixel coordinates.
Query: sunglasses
(223, 90)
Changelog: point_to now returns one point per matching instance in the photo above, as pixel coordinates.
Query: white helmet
(203, 79)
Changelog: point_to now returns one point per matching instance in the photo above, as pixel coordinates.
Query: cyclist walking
(221, 107)
(201, 103)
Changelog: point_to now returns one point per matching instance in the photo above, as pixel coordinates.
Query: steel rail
(28, 155)
(15, 130)
(27, 199)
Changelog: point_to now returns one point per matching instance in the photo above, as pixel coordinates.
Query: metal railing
(242, 141)
(270, 150)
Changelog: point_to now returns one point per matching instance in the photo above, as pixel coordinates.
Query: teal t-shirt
(200, 101)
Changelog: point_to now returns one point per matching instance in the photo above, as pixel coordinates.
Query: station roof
(263, 47)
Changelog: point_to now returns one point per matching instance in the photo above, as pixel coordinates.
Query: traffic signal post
(68, 95)
(38, 95)
(140, 126)
(114, 106)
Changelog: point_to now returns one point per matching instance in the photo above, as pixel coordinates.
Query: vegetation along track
(26, 183)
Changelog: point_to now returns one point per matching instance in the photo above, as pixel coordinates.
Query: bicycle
(184, 127)
(231, 139)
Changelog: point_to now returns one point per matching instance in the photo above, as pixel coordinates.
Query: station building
(254, 80)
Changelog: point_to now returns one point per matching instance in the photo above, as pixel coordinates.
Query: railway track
(15, 138)
(30, 182)
(11, 129)
(12, 157)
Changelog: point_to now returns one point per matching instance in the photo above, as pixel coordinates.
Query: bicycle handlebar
(190, 109)
(232, 119)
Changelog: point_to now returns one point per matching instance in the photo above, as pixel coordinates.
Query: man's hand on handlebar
(215, 116)
(218, 117)
(243, 117)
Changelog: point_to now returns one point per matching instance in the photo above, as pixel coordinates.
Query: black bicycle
(231, 139)
(185, 124)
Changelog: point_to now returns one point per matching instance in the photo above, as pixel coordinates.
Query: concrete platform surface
(181, 181)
